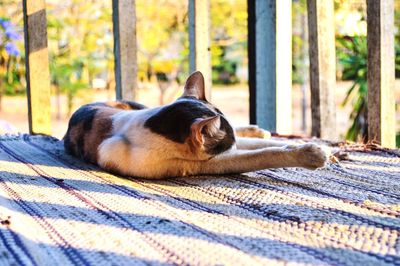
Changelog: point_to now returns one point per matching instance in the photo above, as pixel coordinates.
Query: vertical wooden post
(381, 75)
(199, 40)
(37, 66)
(125, 47)
(251, 53)
(321, 25)
(270, 64)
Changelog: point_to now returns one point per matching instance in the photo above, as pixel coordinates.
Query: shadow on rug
(55, 209)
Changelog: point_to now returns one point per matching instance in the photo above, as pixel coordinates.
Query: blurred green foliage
(299, 43)
(228, 40)
(352, 56)
(80, 43)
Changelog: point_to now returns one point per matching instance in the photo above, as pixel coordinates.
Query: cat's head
(193, 121)
(210, 130)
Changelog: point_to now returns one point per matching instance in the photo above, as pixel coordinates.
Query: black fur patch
(67, 144)
(174, 122)
(80, 144)
(83, 116)
(203, 101)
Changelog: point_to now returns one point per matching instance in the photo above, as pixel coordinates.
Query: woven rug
(57, 210)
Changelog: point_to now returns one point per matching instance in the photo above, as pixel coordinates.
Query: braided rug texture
(57, 210)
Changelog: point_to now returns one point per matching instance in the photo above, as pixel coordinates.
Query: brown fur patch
(111, 167)
(91, 124)
(125, 105)
(76, 135)
(89, 127)
(119, 105)
(101, 129)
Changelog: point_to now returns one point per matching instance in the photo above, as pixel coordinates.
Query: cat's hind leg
(114, 154)
(252, 131)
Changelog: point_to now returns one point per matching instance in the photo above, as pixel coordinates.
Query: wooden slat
(125, 48)
(270, 64)
(381, 75)
(37, 66)
(322, 67)
(199, 40)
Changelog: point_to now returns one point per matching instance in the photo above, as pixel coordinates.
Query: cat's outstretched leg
(309, 156)
(243, 143)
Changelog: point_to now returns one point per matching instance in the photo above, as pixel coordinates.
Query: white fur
(137, 151)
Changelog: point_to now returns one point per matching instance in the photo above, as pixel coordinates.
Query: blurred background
(82, 64)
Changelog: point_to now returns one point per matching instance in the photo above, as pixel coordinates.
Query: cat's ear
(204, 126)
(195, 86)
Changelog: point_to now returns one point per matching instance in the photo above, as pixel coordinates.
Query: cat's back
(91, 124)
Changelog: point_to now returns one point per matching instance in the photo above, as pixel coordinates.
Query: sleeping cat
(187, 137)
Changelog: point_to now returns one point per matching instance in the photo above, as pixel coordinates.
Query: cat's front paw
(311, 156)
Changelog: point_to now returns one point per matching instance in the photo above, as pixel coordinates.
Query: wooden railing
(269, 51)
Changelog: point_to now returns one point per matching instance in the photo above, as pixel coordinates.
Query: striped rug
(56, 210)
